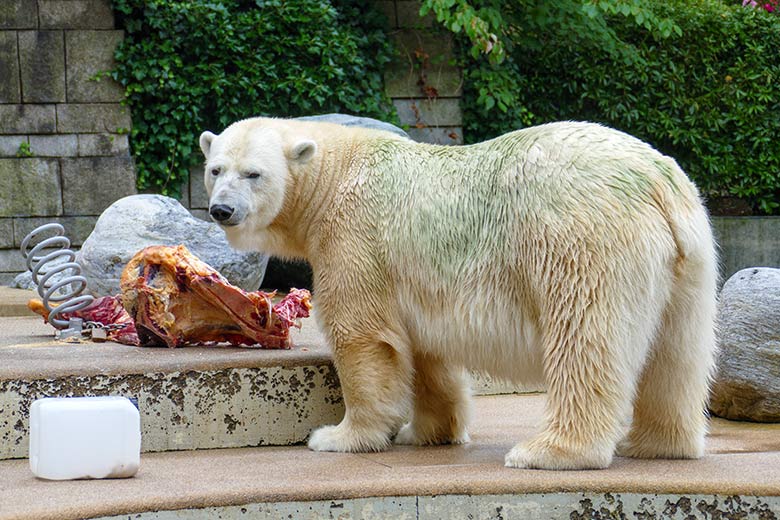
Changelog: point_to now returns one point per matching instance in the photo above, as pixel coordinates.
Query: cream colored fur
(568, 252)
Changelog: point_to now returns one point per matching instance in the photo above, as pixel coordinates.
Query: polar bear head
(247, 172)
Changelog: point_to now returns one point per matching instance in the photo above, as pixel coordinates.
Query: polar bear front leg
(442, 403)
(375, 382)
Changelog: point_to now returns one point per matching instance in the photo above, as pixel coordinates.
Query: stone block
(92, 118)
(18, 14)
(29, 187)
(76, 14)
(6, 279)
(93, 145)
(6, 233)
(27, 119)
(11, 260)
(9, 144)
(91, 184)
(437, 135)
(429, 112)
(409, 15)
(9, 63)
(423, 66)
(54, 145)
(42, 60)
(77, 229)
(88, 53)
(199, 199)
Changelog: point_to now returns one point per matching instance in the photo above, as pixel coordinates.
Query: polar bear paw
(408, 435)
(662, 448)
(344, 439)
(542, 455)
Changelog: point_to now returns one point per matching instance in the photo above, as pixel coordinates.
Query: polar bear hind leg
(441, 404)
(599, 329)
(669, 411)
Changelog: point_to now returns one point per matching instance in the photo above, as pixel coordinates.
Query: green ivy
(698, 79)
(193, 65)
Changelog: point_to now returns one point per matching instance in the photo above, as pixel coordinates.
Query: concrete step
(189, 398)
(739, 477)
(13, 302)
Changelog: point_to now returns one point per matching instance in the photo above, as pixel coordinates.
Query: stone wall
(423, 81)
(63, 133)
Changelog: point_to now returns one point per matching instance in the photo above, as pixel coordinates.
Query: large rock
(347, 120)
(134, 222)
(747, 382)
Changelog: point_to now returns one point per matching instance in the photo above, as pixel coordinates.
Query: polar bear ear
(205, 142)
(302, 151)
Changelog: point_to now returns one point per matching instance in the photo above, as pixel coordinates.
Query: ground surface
(742, 458)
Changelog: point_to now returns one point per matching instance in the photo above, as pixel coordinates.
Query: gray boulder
(747, 382)
(137, 221)
(347, 120)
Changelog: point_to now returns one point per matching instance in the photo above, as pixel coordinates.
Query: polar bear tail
(670, 407)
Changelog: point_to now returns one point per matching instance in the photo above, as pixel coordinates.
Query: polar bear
(567, 252)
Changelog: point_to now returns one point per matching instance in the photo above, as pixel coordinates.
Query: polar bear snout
(221, 213)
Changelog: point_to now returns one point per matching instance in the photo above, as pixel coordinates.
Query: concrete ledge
(742, 463)
(189, 398)
(14, 303)
(522, 506)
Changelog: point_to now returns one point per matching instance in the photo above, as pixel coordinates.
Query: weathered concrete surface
(747, 242)
(189, 398)
(742, 463)
(574, 506)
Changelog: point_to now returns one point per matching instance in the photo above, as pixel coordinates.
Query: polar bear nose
(221, 212)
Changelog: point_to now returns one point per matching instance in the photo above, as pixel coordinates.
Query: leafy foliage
(699, 79)
(190, 65)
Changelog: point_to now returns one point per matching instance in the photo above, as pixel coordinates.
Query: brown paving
(742, 459)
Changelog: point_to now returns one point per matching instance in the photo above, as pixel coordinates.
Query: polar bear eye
(215, 171)
(253, 175)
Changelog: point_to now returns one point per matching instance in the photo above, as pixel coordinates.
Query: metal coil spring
(71, 299)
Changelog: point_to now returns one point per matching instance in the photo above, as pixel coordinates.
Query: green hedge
(709, 97)
(191, 65)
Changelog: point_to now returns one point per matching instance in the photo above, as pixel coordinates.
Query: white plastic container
(84, 437)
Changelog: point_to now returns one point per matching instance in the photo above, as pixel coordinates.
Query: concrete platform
(194, 398)
(189, 398)
(738, 478)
